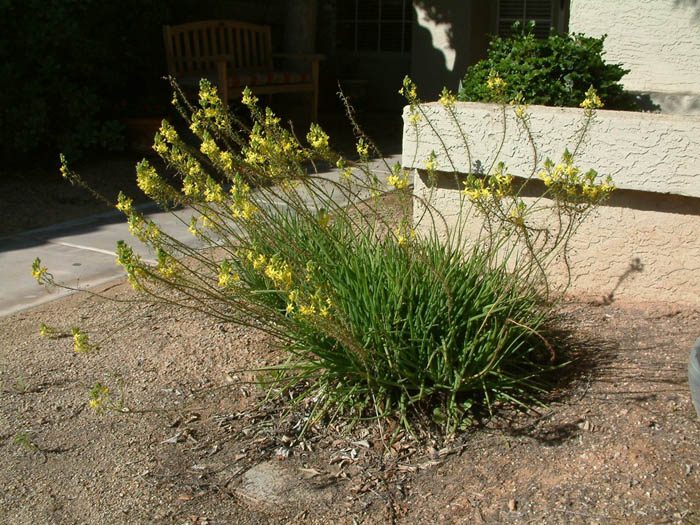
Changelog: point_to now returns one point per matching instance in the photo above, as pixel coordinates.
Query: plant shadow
(578, 358)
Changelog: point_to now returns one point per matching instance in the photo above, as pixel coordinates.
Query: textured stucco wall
(641, 151)
(642, 245)
(658, 40)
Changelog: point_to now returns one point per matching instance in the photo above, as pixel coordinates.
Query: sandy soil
(617, 441)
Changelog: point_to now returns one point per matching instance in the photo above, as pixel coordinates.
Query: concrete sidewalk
(81, 253)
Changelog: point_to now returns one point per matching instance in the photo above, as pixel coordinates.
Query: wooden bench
(233, 55)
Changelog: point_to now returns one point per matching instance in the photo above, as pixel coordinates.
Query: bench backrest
(195, 48)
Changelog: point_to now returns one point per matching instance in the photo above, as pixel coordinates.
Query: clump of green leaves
(383, 327)
(23, 440)
(556, 71)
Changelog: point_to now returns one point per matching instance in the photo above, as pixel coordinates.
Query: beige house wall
(657, 40)
(644, 244)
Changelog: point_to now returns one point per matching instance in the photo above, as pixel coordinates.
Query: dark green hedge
(556, 71)
(66, 64)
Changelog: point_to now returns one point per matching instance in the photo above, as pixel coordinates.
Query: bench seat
(233, 55)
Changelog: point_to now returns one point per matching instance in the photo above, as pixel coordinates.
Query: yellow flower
(131, 262)
(253, 157)
(243, 209)
(226, 161)
(213, 191)
(81, 343)
(226, 277)
(207, 93)
(259, 262)
(317, 138)
(431, 162)
(196, 126)
(248, 98)
(476, 191)
(159, 145)
(409, 90)
(415, 117)
(150, 182)
(403, 234)
(167, 265)
(39, 272)
(495, 82)
(362, 148)
(280, 272)
(193, 227)
(99, 397)
(516, 214)
(147, 180)
(209, 147)
(125, 204)
(248, 210)
(270, 119)
(307, 309)
(168, 132)
(399, 179)
(571, 170)
(592, 100)
(447, 99)
(47, 331)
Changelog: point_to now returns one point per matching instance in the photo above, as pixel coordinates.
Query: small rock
(272, 484)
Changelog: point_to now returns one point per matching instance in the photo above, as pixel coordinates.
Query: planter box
(644, 244)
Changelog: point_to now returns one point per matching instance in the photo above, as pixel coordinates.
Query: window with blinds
(524, 11)
(373, 25)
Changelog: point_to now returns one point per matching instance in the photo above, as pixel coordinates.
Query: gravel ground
(615, 442)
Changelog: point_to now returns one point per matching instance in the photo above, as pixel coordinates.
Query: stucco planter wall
(663, 62)
(644, 244)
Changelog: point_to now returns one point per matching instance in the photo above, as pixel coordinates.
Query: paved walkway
(79, 253)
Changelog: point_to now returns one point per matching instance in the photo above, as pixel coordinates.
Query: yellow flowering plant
(530, 226)
(376, 318)
(101, 400)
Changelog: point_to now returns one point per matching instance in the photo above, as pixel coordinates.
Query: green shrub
(556, 71)
(64, 65)
(375, 318)
(386, 325)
